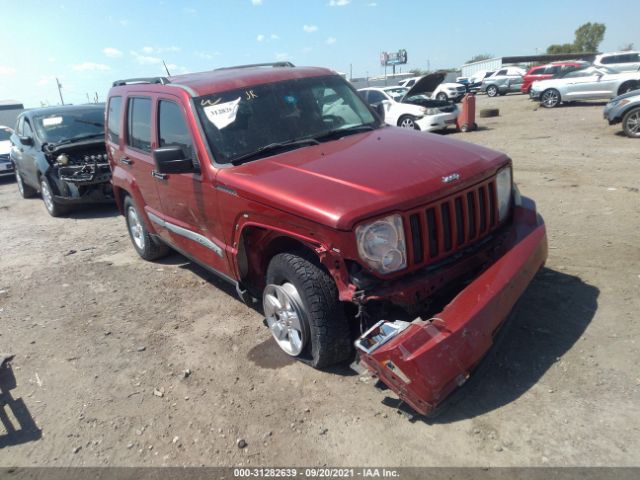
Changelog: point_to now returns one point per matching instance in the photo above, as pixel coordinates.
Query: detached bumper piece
(424, 361)
(85, 174)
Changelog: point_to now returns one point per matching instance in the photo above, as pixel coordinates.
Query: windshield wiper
(79, 139)
(341, 132)
(274, 147)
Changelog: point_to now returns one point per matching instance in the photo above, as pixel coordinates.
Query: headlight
(432, 111)
(381, 244)
(503, 192)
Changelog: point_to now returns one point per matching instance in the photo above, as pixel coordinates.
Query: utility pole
(96, 101)
(350, 71)
(60, 90)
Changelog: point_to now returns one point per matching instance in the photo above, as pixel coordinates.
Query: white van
(621, 61)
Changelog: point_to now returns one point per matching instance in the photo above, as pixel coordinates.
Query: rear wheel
(492, 91)
(631, 123)
(407, 121)
(627, 87)
(304, 313)
(25, 190)
(54, 208)
(550, 98)
(147, 246)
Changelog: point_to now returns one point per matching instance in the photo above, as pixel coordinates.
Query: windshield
(240, 122)
(70, 124)
(396, 93)
(5, 134)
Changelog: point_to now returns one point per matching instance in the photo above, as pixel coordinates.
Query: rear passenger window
(172, 128)
(538, 71)
(552, 70)
(139, 124)
(113, 122)
(609, 60)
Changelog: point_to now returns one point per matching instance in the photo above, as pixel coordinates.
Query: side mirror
(379, 109)
(26, 140)
(172, 160)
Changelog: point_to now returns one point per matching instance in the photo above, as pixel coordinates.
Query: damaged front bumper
(82, 184)
(424, 361)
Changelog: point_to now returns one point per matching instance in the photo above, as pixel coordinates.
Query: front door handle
(161, 176)
(126, 161)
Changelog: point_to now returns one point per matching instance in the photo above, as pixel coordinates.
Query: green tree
(626, 47)
(562, 48)
(480, 57)
(589, 36)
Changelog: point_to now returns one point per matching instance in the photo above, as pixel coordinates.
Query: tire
(147, 246)
(299, 289)
(408, 121)
(627, 87)
(464, 127)
(492, 91)
(550, 98)
(54, 208)
(631, 123)
(442, 97)
(25, 190)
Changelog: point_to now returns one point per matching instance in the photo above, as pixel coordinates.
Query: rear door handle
(126, 161)
(161, 176)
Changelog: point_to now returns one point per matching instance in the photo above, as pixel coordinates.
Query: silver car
(625, 109)
(590, 83)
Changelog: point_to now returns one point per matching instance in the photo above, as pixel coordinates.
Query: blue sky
(88, 44)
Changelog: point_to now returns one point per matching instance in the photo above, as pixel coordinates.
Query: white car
(590, 83)
(621, 61)
(409, 108)
(444, 91)
(6, 166)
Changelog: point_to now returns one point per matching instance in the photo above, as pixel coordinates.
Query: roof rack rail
(274, 65)
(128, 81)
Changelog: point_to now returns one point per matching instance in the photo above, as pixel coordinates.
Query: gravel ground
(124, 362)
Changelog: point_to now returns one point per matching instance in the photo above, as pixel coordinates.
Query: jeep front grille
(442, 228)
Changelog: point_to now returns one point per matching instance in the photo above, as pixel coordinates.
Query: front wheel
(550, 98)
(54, 208)
(631, 123)
(25, 190)
(492, 91)
(147, 246)
(442, 97)
(407, 121)
(304, 313)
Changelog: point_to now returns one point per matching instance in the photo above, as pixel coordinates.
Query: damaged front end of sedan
(79, 171)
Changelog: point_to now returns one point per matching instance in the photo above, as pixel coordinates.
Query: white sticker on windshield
(49, 121)
(222, 114)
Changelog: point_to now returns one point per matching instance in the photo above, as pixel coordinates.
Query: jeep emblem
(451, 178)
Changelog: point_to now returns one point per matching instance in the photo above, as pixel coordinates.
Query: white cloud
(112, 52)
(149, 50)
(45, 80)
(207, 56)
(51, 59)
(310, 28)
(90, 66)
(145, 59)
(275, 36)
(123, 22)
(330, 40)
(281, 57)
(260, 38)
(339, 3)
(4, 70)
(256, 3)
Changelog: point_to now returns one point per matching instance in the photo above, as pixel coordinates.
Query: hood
(5, 147)
(426, 84)
(361, 176)
(635, 94)
(452, 85)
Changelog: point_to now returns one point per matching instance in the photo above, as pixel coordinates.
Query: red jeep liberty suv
(281, 180)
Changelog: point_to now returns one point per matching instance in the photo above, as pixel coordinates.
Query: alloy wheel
(47, 196)
(19, 182)
(633, 124)
(286, 317)
(135, 228)
(408, 123)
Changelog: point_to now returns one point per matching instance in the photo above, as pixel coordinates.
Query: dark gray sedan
(625, 109)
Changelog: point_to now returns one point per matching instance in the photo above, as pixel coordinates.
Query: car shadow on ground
(591, 103)
(548, 320)
(6, 180)
(19, 426)
(90, 212)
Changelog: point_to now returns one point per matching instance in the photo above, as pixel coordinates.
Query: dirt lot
(95, 330)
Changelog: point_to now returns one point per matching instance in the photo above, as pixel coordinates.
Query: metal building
(493, 64)
(9, 111)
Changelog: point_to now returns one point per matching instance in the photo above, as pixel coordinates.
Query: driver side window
(26, 129)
